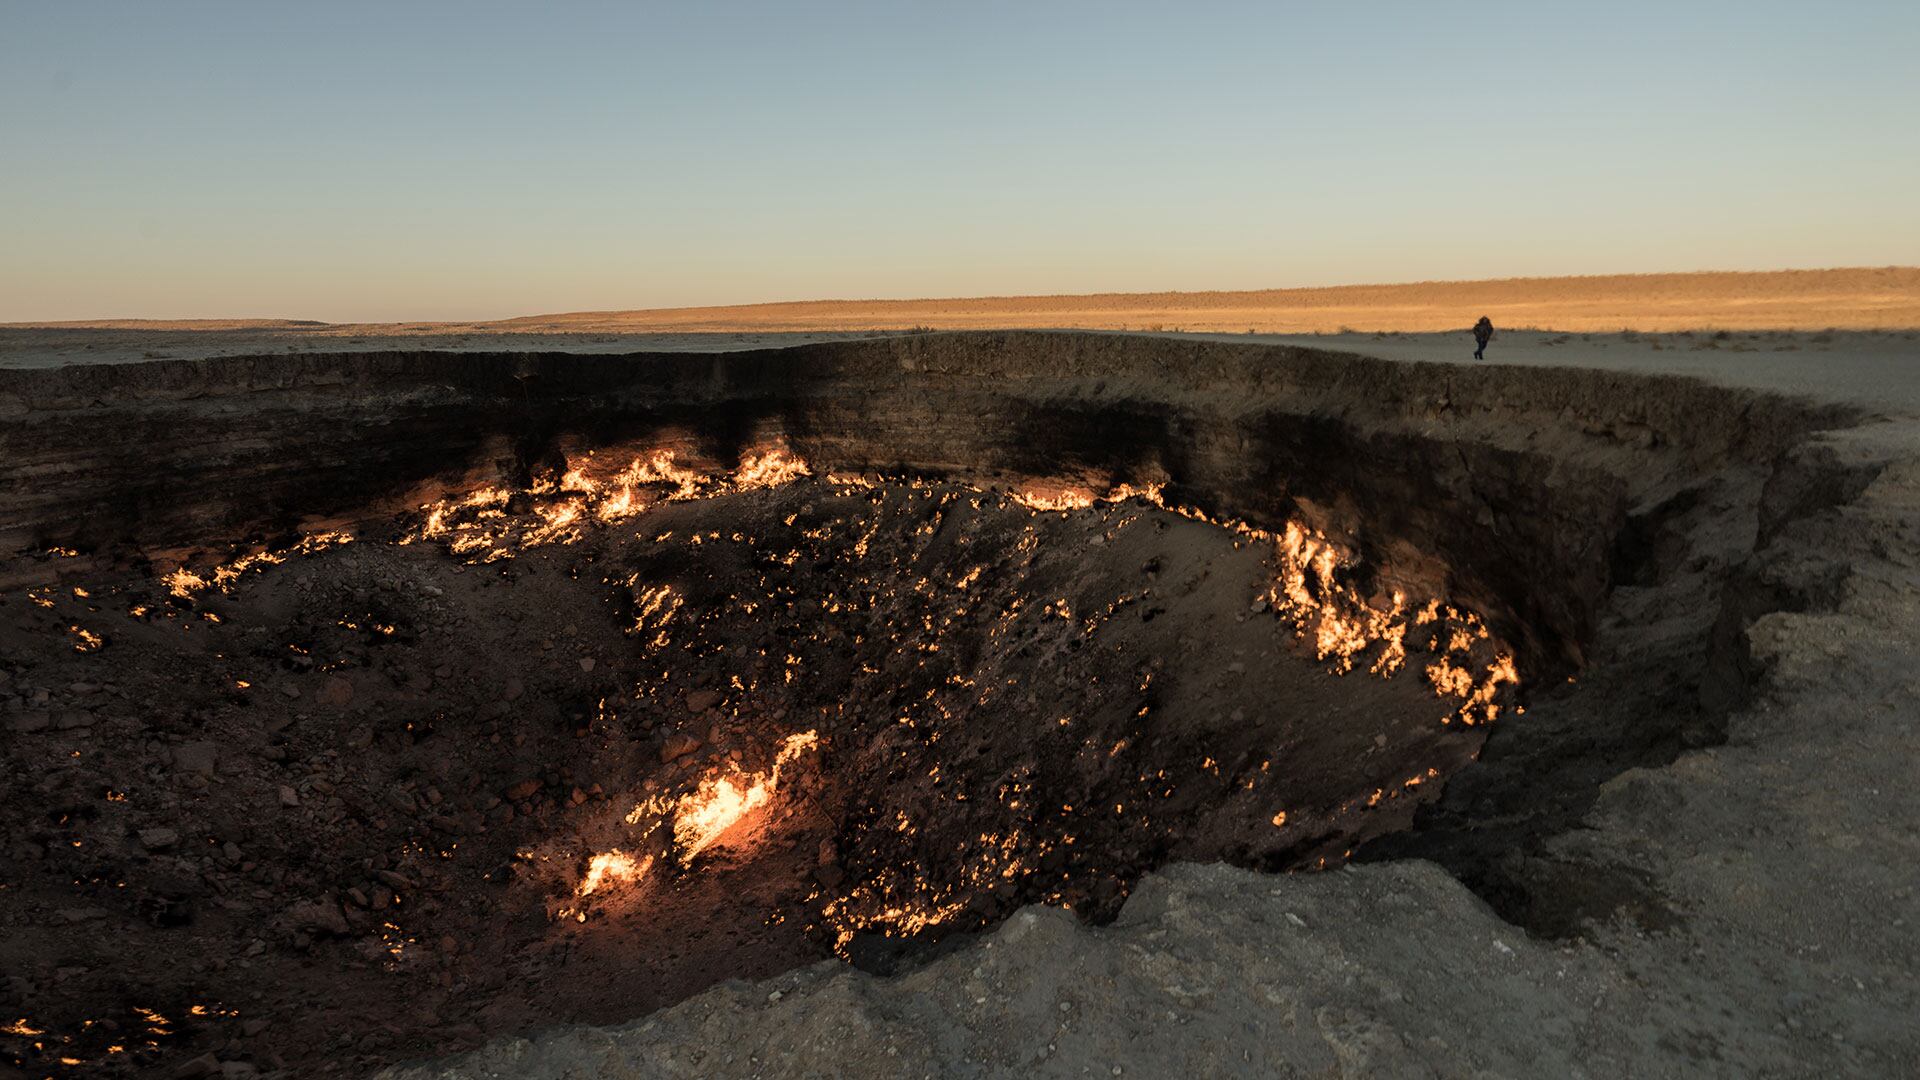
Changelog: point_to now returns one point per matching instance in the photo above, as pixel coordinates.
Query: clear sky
(423, 160)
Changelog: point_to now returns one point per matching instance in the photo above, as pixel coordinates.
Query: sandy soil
(1854, 299)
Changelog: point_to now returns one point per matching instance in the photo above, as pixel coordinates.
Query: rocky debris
(159, 839)
(699, 701)
(196, 758)
(192, 1068)
(70, 916)
(336, 692)
(679, 745)
(320, 915)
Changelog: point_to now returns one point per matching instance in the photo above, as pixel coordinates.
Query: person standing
(1482, 333)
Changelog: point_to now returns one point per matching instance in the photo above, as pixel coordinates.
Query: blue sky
(351, 161)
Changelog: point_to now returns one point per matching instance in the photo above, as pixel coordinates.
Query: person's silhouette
(1482, 333)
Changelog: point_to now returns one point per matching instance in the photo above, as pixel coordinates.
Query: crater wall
(1505, 489)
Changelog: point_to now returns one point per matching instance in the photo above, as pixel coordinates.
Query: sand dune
(1860, 298)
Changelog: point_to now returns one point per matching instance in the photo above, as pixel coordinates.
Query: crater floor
(470, 775)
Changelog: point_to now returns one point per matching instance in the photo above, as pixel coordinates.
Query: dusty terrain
(1692, 853)
(1877, 298)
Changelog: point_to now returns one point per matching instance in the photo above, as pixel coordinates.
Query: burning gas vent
(534, 675)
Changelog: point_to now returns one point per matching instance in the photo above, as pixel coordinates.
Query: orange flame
(720, 802)
(613, 866)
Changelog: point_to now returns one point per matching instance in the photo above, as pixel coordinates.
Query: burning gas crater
(922, 703)
(642, 710)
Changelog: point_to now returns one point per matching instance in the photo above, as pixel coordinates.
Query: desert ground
(1844, 299)
(340, 663)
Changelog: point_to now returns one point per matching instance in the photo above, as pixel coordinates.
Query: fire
(720, 802)
(619, 506)
(1343, 625)
(902, 901)
(654, 608)
(1058, 500)
(773, 468)
(659, 468)
(477, 525)
(613, 866)
(1477, 704)
(184, 583)
(557, 524)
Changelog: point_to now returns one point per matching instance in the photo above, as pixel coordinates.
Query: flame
(1062, 498)
(476, 525)
(659, 468)
(1477, 696)
(1057, 500)
(613, 866)
(557, 524)
(183, 583)
(619, 506)
(1311, 587)
(772, 468)
(1344, 625)
(720, 802)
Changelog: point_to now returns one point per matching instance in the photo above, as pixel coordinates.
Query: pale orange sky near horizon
(361, 162)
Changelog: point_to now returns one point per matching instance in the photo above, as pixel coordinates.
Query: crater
(439, 696)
